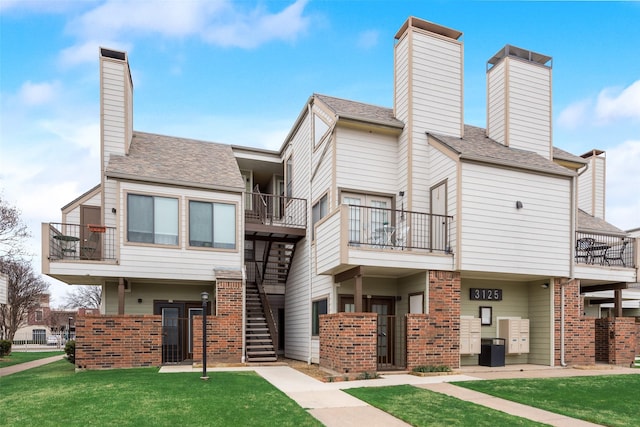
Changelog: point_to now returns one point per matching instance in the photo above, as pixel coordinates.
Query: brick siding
(224, 330)
(579, 331)
(434, 338)
(123, 341)
(348, 342)
(617, 340)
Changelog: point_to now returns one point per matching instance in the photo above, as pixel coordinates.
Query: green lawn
(17, 357)
(420, 407)
(143, 397)
(608, 400)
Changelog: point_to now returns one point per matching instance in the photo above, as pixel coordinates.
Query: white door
(438, 227)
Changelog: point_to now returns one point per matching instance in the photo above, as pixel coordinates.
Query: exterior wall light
(518, 204)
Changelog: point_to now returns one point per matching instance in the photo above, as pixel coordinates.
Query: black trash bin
(491, 352)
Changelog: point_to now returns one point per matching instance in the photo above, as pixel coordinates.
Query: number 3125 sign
(478, 294)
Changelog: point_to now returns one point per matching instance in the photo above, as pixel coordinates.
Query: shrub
(5, 348)
(432, 368)
(70, 350)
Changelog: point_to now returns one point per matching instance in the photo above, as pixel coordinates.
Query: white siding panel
(443, 168)
(585, 191)
(497, 237)
(366, 161)
(529, 98)
(327, 245)
(437, 85)
(599, 186)
(496, 103)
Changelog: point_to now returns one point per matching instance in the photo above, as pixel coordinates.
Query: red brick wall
(618, 339)
(637, 336)
(579, 331)
(224, 330)
(124, 341)
(348, 342)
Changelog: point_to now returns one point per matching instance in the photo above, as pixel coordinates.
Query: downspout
(562, 362)
(308, 239)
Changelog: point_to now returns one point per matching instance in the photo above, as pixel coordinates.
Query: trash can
(492, 352)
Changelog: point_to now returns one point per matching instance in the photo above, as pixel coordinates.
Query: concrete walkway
(28, 365)
(335, 408)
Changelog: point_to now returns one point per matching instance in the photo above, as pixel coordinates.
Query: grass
(143, 397)
(608, 400)
(17, 357)
(420, 407)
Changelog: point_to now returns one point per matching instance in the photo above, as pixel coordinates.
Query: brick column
(579, 331)
(224, 329)
(348, 342)
(616, 340)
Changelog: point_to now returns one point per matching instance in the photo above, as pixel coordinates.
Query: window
(39, 336)
(288, 170)
(319, 211)
(152, 219)
(39, 315)
(212, 225)
(317, 308)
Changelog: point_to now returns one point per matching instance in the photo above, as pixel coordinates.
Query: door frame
(184, 327)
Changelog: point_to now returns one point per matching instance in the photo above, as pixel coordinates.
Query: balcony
(605, 250)
(79, 242)
(388, 241)
(273, 217)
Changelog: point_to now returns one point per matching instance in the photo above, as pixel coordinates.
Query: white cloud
(615, 104)
(368, 39)
(221, 23)
(82, 135)
(623, 184)
(574, 115)
(33, 94)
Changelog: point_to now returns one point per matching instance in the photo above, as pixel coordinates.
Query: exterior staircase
(278, 264)
(259, 342)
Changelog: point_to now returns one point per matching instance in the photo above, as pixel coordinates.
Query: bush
(432, 368)
(70, 350)
(5, 348)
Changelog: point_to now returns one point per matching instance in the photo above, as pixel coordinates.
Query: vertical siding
(366, 161)
(436, 85)
(496, 108)
(298, 292)
(529, 99)
(497, 237)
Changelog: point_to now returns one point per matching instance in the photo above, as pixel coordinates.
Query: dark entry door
(177, 329)
(384, 307)
(91, 241)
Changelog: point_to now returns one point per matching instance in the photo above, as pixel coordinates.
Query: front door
(177, 329)
(384, 307)
(439, 232)
(91, 246)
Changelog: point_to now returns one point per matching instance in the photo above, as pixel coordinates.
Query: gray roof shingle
(475, 145)
(181, 161)
(360, 111)
(560, 154)
(589, 223)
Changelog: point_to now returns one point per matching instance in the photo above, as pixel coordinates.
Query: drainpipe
(562, 362)
(308, 238)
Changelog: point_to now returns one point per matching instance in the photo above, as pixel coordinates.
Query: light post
(205, 299)
(69, 329)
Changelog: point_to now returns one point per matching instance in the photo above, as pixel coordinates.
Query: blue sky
(239, 72)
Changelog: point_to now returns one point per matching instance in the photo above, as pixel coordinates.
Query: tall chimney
(429, 78)
(519, 100)
(592, 183)
(116, 104)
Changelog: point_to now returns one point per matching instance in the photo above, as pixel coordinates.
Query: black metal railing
(277, 210)
(391, 342)
(604, 249)
(398, 229)
(81, 242)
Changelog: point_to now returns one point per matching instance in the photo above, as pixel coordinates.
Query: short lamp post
(205, 299)
(69, 329)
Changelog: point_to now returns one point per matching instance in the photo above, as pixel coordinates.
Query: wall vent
(115, 54)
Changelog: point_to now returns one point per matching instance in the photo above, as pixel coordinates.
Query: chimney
(591, 184)
(519, 100)
(428, 65)
(116, 104)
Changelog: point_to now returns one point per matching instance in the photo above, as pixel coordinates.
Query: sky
(240, 72)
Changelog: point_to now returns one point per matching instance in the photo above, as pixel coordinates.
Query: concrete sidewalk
(28, 365)
(334, 408)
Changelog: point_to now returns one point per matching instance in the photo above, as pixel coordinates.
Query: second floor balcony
(80, 242)
(277, 217)
(397, 240)
(607, 250)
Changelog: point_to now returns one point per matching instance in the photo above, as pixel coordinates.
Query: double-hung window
(212, 225)
(152, 219)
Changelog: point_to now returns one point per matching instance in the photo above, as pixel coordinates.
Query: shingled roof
(362, 112)
(560, 154)
(475, 145)
(181, 161)
(589, 223)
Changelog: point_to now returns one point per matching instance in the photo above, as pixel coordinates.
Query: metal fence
(81, 242)
(398, 229)
(277, 210)
(391, 342)
(604, 249)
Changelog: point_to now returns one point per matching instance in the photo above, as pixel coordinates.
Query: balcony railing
(398, 229)
(81, 242)
(604, 249)
(276, 210)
